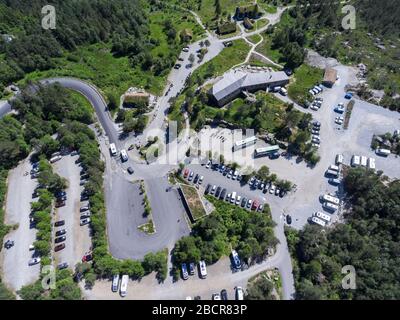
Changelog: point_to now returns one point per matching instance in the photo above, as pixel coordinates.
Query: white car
(208, 164)
(239, 293)
(216, 296)
(314, 107)
(339, 120)
(272, 189)
(34, 261)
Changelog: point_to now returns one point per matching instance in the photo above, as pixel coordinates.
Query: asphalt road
(16, 271)
(125, 213)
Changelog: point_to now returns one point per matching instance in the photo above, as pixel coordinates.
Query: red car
(255, 205)
(185, 173)
(87, 257)
(59, 247)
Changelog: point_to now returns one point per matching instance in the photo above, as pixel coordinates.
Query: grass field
(305, 77)
(265, 49)
(194, 202)
(254, 38)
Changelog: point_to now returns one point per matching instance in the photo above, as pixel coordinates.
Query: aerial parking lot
(77, 237)
(15, 267)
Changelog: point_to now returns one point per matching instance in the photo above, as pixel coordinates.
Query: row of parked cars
(233, 198)
(315, 130)
(239, 294)
(266, 187)
(226, 171)
(317, 89)
(316, 104)
(190, 176)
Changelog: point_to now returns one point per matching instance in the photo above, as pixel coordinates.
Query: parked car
(213, 189)
(85, 221)
(9, 244)
(192, 268)
(203, 269)
(59, 223)
(208, 164)
(191, 176)
(272, 189)
(244, 201)
(87, 257)
(223, 194)
(85, 215)
(186, 173)
(34, 261)
(60, 239)
(216, 296)
(196, 178)
(288, 219)
(237, 264)
(62, 266)
(201, 180)
(130, 170)
(260, 208)
(60, 233)
(208, 188)
(185, 274)
(59, 247)
(84, 208)
(115, 283)
(224, 294)
(239, 293)
(60, 204)
(218, 192)
(249, 203)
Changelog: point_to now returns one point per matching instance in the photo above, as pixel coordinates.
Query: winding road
(117, 181)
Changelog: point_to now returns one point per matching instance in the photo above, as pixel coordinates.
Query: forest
(78, 23)
(369, 241)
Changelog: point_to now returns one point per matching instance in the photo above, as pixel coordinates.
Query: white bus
(331, 199)
(55, 159)
(260, 152)
(113, 149)
(244, 143)
(330, 206)
(322, 216)
(364, 161)
(371, 163)
(318, 221)
(355, 161)
(124, 155)
(124, 285)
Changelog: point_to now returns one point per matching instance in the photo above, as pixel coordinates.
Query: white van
(339, 159)
(318, 221)
(334, 168)
(239, 293)
(330, 206)
(124, 155)
(383, 152)
(203, 269)
(233, 197)
(322, 216)
(331, 199)
(113, 149)
(283, 91)
(115, 283)
(124, 285)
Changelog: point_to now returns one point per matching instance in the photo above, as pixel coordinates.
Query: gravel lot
(16, 272)
(78, 238)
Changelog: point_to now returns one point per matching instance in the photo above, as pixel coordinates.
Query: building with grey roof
(234, 82)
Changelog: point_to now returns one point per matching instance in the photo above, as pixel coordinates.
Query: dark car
(208, 188)
(218, 192)
(9, 244)
(60, 239)
(62, 266)
(130, 170)
(85, 176)
(282, 193)
(87, 257)
(288, 219)
(196, 178)
(61, 198)
(59, 247)
(59, 223)
(243, 203)
(223, 194)
(61, 194)
(83, 182)
(84, 197)
(224, 295)
(192, 268)
(61, 232)
(60, 204)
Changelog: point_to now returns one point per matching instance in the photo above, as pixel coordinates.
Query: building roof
(330, 75)
(241, 80)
